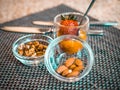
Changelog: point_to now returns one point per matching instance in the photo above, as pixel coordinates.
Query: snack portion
(70, 46)
(72, 67)
(32, 49)
(70, 25)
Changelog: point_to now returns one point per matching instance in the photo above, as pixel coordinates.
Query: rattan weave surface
(105, 74)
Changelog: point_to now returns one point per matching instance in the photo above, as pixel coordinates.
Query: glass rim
(66, 13)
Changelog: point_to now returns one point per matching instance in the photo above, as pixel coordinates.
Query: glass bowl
(30, 60)
(56, 56)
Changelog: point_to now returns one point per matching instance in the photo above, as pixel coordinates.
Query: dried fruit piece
(73, 74)
(69, 62)
(78, 62)
(61, 68)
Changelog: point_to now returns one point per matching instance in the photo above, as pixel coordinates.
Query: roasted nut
(29, 43)
(72, 66)
(33, 55)
(79, 68)
(20, 52)
(33, 48)
(69, 62)
(78, 62)
(27, 46)
(26, 53)
(40, 47)
(73, 74)
(39, 53)
(36, 43)
(45, 47)
(61, 68)
(65, 72)
(21, 46)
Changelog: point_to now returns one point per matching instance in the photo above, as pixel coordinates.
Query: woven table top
(105, 74)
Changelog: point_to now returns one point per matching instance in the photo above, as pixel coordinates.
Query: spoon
(91, 4)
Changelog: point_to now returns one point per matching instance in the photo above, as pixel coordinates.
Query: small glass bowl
(30, 61)
(54, 57)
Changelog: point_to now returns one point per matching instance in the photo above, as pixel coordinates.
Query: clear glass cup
(56, 55)
(78, 30)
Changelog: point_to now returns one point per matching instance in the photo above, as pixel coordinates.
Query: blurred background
(103, 10)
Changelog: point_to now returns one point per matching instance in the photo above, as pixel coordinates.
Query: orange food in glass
(68, 25)
(70, 46)
(71, 30)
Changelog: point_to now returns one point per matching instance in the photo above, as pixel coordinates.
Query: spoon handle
(91, 4)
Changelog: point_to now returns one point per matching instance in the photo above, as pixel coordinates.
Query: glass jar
(69, 23)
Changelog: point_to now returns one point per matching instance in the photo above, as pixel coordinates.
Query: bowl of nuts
(69, 58)
(30, 49)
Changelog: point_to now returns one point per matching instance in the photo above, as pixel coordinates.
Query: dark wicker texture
(105, 74)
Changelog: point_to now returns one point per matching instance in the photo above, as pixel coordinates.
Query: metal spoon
(91, 4)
